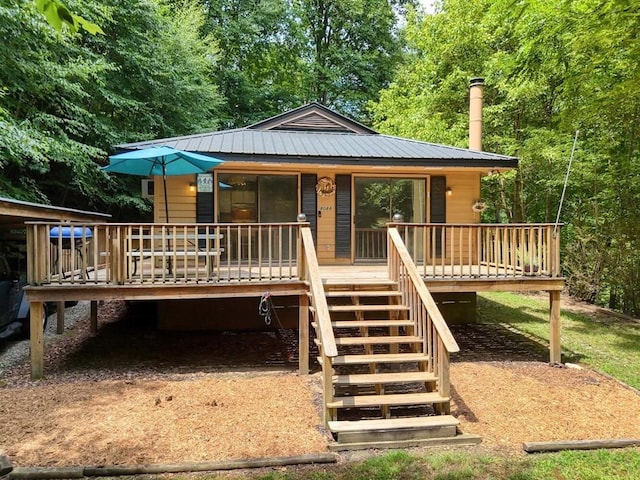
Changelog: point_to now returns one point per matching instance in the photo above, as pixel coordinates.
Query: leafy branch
(57, 14)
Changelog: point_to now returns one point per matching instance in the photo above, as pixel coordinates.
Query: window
(257, 198)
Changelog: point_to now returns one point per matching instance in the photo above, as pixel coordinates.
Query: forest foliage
(173, 67)
(552, 67)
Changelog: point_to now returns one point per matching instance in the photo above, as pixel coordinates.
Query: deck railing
(98, 253)
(428, 324)
(102, 253)
(471, 250)
(310, 272)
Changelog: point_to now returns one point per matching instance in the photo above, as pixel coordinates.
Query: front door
(376, 201)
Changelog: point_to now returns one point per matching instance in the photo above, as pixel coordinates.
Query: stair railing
(428, 324)
(309, 271)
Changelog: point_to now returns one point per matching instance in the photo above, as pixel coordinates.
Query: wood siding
(328, 214)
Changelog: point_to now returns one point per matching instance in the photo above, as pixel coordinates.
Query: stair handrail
(311, 274)
(433, 311)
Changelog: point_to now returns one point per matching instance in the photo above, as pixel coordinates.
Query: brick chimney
(476, 86)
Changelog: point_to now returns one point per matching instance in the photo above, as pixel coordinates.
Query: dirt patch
(133, 395)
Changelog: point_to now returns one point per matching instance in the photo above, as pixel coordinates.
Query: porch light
(192, 187)
(449, 191)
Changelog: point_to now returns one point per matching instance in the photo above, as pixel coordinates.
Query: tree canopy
(67, 99)
(552, 67)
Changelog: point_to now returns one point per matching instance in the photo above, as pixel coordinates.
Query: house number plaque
(205, 182)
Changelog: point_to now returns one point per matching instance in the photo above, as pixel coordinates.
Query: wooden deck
(221, 261)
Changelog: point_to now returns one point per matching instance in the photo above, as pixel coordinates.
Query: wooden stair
(384, 395)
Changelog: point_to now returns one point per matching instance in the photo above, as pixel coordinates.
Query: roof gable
(312, 117)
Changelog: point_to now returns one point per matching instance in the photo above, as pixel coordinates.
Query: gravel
(15, 351)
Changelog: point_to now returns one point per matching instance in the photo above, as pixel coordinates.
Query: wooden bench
(191, 249)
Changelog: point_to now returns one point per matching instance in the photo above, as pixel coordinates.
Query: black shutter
(309, 200)
(438, 207)
(343, 216)
(205, 210)
(205, 203)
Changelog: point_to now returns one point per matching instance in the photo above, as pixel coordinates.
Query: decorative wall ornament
(479, 206)
(325, 187)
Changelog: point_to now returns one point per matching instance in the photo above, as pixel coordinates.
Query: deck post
(60, 318)
(303, 334)
(554, 327)
(93, 318)
(36, 342)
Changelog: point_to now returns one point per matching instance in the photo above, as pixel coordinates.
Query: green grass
(608, 344)
(465, 465)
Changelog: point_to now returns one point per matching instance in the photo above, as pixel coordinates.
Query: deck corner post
(60, 318)
(303, 335)
(36, 342)
(555, 351)
(93, 318)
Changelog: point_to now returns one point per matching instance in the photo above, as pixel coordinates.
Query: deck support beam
(36, 342)
(303, 334)
(59, 318)
(93, 318)
(555, 351)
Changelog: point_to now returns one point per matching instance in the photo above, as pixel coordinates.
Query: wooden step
(458, 440)
(362, 293)
(346, 284)
(380, 378)
(379, 358)
(377, 340)
(392, 423)
(395, 429)
(371, 323)
(390, 399)
(367, 308)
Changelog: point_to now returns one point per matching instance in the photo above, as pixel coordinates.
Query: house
(361, 229)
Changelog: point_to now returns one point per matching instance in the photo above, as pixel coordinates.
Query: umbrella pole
(166, 211)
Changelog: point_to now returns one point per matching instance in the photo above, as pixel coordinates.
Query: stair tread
(377, 340)
(392, 423)
(457, 440)
(346, 283)
(379, 358)
(366, 308)
(389, 377)
(363, 293)
(371, 323)
(388, 399)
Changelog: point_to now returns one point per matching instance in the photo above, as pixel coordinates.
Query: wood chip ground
(90, 412)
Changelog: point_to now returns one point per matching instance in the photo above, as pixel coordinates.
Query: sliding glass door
(377, 200)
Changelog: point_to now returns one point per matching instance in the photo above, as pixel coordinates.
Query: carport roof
(16, 212)
(316, 134)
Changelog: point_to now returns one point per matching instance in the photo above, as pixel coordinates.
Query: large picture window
(257, 198)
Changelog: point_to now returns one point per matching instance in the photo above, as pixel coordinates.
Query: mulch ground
(134, 395)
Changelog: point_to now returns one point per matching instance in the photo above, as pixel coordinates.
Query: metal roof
(280, 139)
(322, 146)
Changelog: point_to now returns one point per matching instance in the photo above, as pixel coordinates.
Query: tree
(260, 66)
(67, 99)
(551, 67)
(277, 54)
(353, 47)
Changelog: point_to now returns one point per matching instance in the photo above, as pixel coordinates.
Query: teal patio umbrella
(161, 161)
